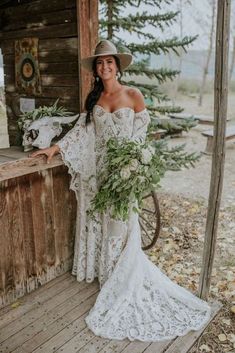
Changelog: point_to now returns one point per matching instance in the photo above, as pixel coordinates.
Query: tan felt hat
(105, 47)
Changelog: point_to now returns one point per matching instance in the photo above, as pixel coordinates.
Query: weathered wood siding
(37, 225)
(54, 22)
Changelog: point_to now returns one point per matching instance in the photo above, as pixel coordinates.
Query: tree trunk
(177, 80)
(211, 40)
(217, 170)
(110, 17)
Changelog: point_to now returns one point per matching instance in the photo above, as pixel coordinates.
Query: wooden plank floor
(51, 319)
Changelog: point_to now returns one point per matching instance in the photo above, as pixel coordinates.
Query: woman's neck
(111, 86)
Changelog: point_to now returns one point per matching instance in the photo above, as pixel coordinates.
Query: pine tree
(113, 20)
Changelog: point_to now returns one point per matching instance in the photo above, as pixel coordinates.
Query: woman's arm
(137, 99)
(142, 118)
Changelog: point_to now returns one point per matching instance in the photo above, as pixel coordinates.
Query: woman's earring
(118, 74)
(97, 78)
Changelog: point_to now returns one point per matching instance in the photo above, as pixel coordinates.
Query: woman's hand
(49, 152)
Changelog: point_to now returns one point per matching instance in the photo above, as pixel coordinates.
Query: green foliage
(161, 46)
(161, 75)
(41, 112)
(163, 109)
(131, 170)
(175, 158)
(114, 19)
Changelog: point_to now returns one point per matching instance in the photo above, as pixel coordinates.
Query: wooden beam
(87, 22)
(218, 156)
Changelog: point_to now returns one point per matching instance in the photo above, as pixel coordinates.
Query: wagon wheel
(149, 220)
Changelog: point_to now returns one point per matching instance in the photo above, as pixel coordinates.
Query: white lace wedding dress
(136, 300)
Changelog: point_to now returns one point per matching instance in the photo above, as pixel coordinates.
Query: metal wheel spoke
(148, 211)
(147, 221)
(150, 221)
(144, 229)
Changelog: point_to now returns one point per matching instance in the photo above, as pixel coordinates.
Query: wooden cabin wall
(37, 222)
(54, 22)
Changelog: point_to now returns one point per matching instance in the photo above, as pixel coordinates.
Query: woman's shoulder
(136, 97)
(133, 92)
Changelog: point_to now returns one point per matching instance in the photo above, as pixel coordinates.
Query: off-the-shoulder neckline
(117, 110)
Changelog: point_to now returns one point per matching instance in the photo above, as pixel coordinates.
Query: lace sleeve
(77, 146)
(140, 125)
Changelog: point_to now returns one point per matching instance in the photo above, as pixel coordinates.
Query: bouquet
(132, 170)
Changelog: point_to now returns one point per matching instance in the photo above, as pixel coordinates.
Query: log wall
(37, 225)
(58, 24)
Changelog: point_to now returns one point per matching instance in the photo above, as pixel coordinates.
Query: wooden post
(87, 22)
(218, 156)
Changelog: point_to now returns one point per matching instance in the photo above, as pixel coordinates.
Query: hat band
(105, 53)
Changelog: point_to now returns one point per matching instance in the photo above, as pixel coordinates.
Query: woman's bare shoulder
(132, 91)
(137, 98)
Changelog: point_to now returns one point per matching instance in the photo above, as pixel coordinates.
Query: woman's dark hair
(94, 95)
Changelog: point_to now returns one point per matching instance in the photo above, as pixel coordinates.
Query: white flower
(146, 169)
(147, 155)
(141, 178)
(125, 172)
(134, 164)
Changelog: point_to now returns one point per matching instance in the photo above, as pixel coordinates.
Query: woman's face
(106, 67)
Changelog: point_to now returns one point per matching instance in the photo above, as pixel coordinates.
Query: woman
(136, 300)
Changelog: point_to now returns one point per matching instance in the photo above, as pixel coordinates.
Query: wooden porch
(51, 319)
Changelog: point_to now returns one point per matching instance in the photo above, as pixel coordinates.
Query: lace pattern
(139, 302)
(136, 300)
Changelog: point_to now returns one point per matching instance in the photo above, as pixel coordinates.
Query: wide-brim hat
(105, 47)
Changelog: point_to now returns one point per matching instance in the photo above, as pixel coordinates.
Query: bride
(136, 300)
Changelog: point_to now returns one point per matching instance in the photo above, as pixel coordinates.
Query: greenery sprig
(40, 112)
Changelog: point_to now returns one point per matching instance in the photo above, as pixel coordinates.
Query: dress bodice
(122, 123)
(118, 123)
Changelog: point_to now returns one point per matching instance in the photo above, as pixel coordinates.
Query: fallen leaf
(226, 322)
(222, 337)
(230, 276)
(175, 230)
(231, 337)
(15, 305)
(204, 348)
(233, 309)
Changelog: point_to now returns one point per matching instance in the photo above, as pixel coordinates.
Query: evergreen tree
(113, 20)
